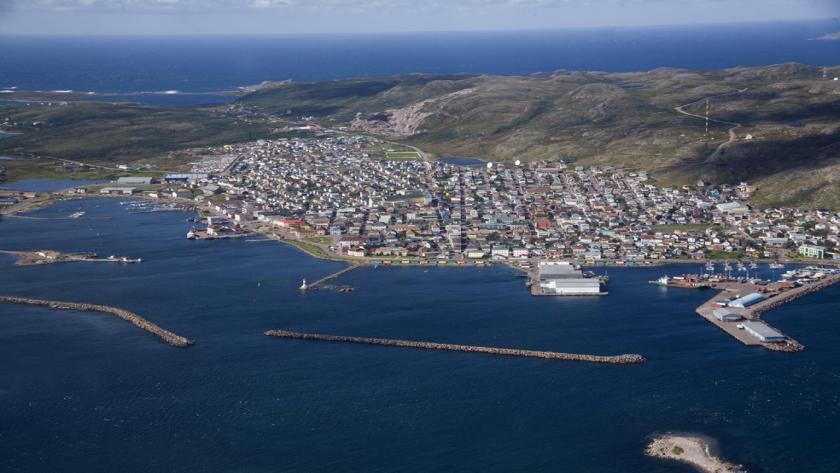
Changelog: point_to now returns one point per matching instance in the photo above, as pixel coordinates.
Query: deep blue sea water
(88, 392)
(207, 64)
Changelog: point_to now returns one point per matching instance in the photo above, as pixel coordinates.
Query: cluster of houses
(341, 187)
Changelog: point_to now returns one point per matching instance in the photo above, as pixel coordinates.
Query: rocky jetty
(165, 335)
(550, 355)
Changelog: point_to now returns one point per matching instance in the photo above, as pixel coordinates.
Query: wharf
(532, 273)
(773, 300)
(550, 355)
(314, 285)
(170, 338)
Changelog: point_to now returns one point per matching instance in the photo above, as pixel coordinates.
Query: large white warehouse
(562, 279)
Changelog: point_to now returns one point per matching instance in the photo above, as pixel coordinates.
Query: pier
(792, 294)
(773, 300)
(136, 320)
(332, 276)
(549, 355)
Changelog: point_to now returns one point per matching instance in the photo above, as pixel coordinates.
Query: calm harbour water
(89, 392)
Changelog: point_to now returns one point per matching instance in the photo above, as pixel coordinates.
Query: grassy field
(322, 240)
(403, 155)
(49, 168)
(309, 248)
(110, 134)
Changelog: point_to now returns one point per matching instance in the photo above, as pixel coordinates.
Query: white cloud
(196, 6)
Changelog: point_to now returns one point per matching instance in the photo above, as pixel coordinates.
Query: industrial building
(746, 301)
(118, 190)
(562, 279)
(726, 315)
(763, 332)
(185, 177)
(136, 181)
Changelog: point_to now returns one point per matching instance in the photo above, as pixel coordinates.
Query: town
(354, 199)
(354, 196)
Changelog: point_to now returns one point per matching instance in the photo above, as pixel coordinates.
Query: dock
(314, 285)
(532, 273)
(549, 355)
(754, 312)
(169, 337)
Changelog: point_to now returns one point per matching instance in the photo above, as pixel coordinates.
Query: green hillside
(788, 143)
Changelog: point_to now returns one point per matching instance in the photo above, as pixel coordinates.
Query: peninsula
(34, 257)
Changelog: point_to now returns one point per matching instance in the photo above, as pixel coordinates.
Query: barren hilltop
(777, 127)
(785, 121)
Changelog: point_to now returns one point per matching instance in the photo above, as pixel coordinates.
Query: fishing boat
(710, 267)
(776, 265)
(684, 282)
(303, 286)
(753, 265)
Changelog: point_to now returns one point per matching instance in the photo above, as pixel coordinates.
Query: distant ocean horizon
(195, 65)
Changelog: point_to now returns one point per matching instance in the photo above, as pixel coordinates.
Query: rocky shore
(165, 335)
(690, 449)
(550, 355)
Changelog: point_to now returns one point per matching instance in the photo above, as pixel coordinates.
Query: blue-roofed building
(746, 301)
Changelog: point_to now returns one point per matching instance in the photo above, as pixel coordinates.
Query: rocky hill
(784, 121)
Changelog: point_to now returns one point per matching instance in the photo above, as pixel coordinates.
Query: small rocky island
(694, 450)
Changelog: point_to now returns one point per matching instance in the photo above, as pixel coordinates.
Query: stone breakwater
(796, 293)
(550, 355)
(165, 335)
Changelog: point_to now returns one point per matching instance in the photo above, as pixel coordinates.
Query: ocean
(200, 65)
(89, 392)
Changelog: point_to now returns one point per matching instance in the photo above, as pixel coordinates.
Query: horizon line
(403, 32)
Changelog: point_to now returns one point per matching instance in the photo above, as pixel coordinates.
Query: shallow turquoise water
(89, 392)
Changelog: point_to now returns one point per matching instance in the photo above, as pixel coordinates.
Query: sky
(202, 17)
